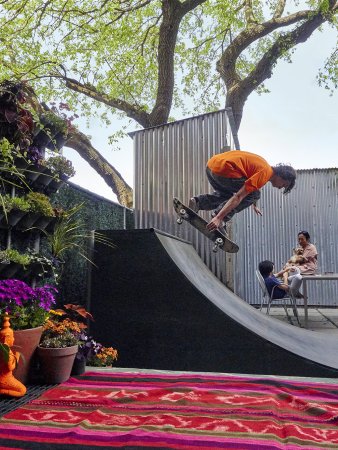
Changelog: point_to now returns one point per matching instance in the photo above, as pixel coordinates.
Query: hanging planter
(10, 269)
(57, 142)
(45, 178)
(28, 220)
(33, 172)
(45, 221)
(54, 186)
(21, 163)
(14, 216)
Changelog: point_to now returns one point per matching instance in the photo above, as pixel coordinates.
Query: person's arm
(310, 254)
(283, 286)
(231, 204)
(282, 272)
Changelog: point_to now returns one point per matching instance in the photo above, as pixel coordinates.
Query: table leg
(305, 304)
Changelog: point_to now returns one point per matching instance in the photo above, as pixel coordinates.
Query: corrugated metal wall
(311, 206)
(169, 161)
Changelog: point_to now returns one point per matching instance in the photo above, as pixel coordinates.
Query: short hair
(265, 268)
(286, 172)
(306, 234)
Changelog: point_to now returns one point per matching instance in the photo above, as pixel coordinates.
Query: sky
(296, 123)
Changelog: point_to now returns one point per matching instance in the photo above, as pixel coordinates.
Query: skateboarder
(237, 177)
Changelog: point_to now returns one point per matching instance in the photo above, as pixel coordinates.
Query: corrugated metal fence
(170, 162)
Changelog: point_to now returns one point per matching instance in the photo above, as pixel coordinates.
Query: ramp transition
(154, 299)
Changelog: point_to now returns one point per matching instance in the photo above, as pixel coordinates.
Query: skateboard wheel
(183, 212)
(215, 248)
(219, 241)
(179, 221)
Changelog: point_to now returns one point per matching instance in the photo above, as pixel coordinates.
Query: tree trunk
(80, 142)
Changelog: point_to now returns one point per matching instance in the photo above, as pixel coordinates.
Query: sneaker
(193, 204)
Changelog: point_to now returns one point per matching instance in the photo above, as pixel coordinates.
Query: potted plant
(12, 262)
(103, 356)
(54, 131)
(58, 347)
(40, 203)
(41, 266)
(60, 166)
(14, 209)
(77, 316)
(28, 309)
(41, 206)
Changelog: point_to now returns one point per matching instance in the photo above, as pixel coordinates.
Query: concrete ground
(319, 319)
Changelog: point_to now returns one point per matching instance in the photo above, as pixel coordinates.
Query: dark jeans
(224, 189)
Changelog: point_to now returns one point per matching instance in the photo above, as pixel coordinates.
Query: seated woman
(277, 288)
(310, 254)
(303, 262)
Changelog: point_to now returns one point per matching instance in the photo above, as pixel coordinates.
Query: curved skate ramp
(156, 301)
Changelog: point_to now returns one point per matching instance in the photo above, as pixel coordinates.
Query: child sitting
(277, 288)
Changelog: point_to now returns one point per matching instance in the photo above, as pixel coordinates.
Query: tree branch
(80, 142)
(279, 9)
(238, 90)
(131, 111)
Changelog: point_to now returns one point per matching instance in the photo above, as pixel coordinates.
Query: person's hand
(214, 224)
(257, 210)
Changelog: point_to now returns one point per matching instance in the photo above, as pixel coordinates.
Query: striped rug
(176, 411)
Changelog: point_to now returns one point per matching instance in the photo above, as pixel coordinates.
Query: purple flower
(34, 154)
(27, 306)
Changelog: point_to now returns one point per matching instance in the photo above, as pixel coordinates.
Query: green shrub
(13, 255)
(20, 203)
(40, 203)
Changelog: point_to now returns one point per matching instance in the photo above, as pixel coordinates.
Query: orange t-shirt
(239, 164)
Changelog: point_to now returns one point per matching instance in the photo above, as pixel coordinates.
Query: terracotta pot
(26, 342)
(56, 363)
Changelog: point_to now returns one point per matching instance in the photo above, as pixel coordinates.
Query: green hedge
(97, 213)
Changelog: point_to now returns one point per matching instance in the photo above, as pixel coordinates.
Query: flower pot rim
(73, 347)
(29, 329)
(68, 346)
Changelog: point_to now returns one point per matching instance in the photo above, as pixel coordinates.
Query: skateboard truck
(183, 214)
(219, 242)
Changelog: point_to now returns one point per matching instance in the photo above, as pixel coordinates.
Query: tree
(141, 58)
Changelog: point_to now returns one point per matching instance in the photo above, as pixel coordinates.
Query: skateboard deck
(219, 239)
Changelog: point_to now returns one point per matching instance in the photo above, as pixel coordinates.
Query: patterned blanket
(176, 411)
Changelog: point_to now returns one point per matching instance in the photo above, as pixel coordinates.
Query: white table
(319, 277)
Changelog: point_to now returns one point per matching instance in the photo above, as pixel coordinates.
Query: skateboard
(219, 239)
